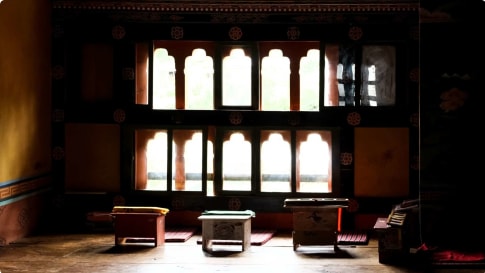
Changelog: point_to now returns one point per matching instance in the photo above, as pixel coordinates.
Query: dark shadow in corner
(129, 248)
(322, 252)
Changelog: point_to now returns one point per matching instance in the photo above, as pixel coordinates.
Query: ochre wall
(25, 114)
(25, 88)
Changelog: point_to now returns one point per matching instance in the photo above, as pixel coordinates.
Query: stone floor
(83, 253)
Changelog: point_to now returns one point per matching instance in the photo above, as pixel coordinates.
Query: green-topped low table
(316, 220)
(226, 225)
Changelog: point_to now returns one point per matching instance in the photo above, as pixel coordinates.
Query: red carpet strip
(353, 238)
(179, 234)
(258, 237)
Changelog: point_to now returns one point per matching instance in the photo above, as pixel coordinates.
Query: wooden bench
(316, 221)
(139, 223)
(221, 225)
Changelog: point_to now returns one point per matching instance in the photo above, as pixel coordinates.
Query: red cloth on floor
(457, 256)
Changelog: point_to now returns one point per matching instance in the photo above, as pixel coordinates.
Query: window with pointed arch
(245, 161)
(265, 75)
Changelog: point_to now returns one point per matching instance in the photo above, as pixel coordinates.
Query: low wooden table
(226, 226)
(316, 220)
(139, 223)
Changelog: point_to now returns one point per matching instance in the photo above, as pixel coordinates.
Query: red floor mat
(180, 234)
(258, 237)
(353, 238)
(452, 256)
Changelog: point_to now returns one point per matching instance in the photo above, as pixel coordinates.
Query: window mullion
(256, 162)
(358, 76)
(169, 160)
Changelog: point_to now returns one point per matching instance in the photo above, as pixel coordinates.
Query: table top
(316, 202)
(224, 217)
(114, 214)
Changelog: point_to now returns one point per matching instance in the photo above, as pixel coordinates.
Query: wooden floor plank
(88, 253)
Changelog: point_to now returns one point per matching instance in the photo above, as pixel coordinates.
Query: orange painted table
(139, 223)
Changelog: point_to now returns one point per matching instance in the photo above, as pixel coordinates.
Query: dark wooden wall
(80, 122)
(451, 93)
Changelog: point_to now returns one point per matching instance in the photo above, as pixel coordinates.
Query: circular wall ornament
(236, 118)
(414, 119)
(414, 75)
(353, 118)
(57, 31)
(58, 115)
(118, 200)
(224, 230)
(346, 159)
(177, 33)
(414, 33)
(178, 203)
(23, 218)
(118, 32)
(58, 201)
(128, 74)
(58, 72)
(235, 33)
(234, 203)
(58, 153)
(355, 33)
(293, 33)
(119, 115)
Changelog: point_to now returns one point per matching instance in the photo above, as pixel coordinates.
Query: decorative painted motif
(414, 33)
(58, 115)
(414, 75)
(197, 6)
(293, 33)
(58, 153)
(119, 200)
(128, 74)
(58, 72)
(58, 201)
(58, 31)
(234, 204)
(118, 32)
(355, 33)
(5, 192)
(235, 33)
(236, 118)
(23, 218)
(224, 230)
(414, 119)
(453, 99)
(346, 159)
(177, 33)
(119, 115)
(353, 118)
